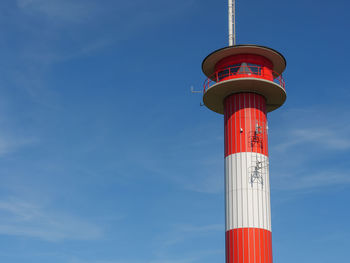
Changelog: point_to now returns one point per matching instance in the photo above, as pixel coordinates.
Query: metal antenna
(232, 22)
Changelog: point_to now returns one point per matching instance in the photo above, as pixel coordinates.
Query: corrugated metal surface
(247, 203)
(245, 124)
(247, 184)
(248, 245)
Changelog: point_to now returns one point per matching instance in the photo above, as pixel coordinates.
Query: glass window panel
(223, 74)
(254, 68)
(244, 69)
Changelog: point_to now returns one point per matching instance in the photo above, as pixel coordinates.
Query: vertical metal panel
(235, 246)
(240, 245)
(248, 245)
(251, 210)
(248, 217)
(257, 245)
(264, 209)
(247, 205)
(250, 242)
(255, 207)
(242, 112)
(239, 209)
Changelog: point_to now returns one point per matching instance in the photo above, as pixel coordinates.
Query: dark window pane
(223, 74)
(254, 68)
(234, 69)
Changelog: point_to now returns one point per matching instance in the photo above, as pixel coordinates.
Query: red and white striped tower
(244, 84)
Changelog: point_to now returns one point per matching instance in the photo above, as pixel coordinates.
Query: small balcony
(244, 71)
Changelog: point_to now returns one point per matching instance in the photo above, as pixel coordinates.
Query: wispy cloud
(207, 183)
(309, 180)
(187, 260)
(310, 150)
(10, 144)
(165, 246)
(182, 235)
(331, 138)
(184, 260)
(200, 229)
(58, 31)
(21, 218)
(64, 10)
(184, 232)
(323, 128)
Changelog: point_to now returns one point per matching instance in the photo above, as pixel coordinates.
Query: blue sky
(106, 156)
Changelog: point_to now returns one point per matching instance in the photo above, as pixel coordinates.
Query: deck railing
(243, 71)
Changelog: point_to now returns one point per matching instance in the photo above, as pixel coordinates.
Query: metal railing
(243, 71)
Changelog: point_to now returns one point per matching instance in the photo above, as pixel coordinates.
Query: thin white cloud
(190, 231)
(182, 234)
(319, 128)
(21, 218)
(185, 260)
(63, 10)
(206, 229)
(308, 181)
(188, 260)
(330, 138)
(211, 183)
(305, 142)
(10, 144)
(61, 30)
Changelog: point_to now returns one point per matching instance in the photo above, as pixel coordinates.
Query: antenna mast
(232, 22)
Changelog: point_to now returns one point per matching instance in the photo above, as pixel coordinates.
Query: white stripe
(247, 204)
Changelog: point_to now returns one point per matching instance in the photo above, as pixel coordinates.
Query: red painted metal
(248, 245)
(245, 124)
(247, 58)
(248, 217)
(243, 71)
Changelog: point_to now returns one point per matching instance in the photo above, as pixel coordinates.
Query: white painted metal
(247, 205)
(232, 22)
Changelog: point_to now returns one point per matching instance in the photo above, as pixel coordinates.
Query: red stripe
(243, 120)
(237, 125)
(243, 112)
(257, 245)
(231, 247)
(235, 245)
(228, 245)
(248, 245)
(240, 242)
(263, 247)
(251, 244)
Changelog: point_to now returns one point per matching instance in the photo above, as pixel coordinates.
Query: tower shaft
(247, 188)
(244, 82)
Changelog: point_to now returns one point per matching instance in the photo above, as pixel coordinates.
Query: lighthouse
(244, 83)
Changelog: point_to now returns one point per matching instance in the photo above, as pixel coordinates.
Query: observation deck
(244, 68)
